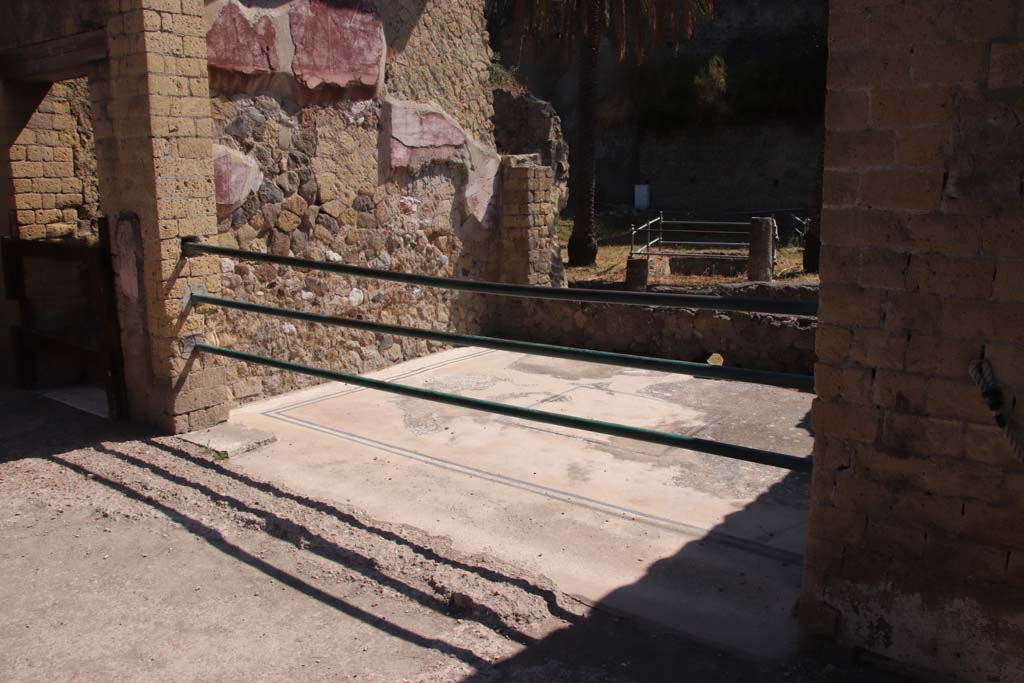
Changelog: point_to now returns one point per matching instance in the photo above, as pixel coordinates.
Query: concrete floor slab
(707, 546)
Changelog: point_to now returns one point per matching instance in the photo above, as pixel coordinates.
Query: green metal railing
(802, 382)
(722, 303)
(744, 453)
(704, 370)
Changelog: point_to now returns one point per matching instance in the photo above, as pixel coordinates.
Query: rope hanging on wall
(981, 373)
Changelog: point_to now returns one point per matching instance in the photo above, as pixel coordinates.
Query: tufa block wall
(53, 183)
(745, 340)
(151, 111)
(532, 198)
(915, 549)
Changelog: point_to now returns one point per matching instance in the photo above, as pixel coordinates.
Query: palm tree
(631, 25)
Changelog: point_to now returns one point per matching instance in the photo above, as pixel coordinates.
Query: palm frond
(631, 25)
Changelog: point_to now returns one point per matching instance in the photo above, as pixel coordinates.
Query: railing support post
(760, 264)
(637, 273)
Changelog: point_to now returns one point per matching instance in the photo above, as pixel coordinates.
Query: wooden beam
(54, 60)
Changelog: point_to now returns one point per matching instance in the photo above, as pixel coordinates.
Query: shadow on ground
(594, 648)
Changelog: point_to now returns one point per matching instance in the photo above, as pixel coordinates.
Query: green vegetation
(216, 456)
(502, 77)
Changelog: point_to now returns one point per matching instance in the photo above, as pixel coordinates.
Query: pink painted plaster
(421, 134)
(337, 45)
(236, 45)
(236, 176)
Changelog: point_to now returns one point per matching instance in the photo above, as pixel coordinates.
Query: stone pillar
(638, 271)
(151, 109)
(532, 198)
(915, 545)
(761, 264)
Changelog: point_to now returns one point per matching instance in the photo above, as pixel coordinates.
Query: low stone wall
(749, 340)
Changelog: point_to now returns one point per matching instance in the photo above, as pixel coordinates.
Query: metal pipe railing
(705, 370)
(711, 232)
(725, 245)
(697, 255)
(734, 224)
(801, 308)
(762, 457)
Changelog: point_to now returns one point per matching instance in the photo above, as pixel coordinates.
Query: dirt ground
(612, 232)
(132, 558)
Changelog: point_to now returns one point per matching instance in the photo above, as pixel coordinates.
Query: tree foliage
(631, 25)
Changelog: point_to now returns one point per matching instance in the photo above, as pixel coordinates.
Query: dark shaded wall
(915, 548)
(756, 146)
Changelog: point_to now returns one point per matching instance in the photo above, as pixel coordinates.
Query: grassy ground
(613, 238)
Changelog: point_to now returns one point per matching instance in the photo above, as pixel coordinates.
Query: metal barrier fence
(718, 303)
(719, 239)
(801, 382)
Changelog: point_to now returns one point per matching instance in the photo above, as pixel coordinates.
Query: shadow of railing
(27, 431)
(316, 544)
(489, 574)
(216, 540)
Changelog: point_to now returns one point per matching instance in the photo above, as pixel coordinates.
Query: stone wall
(396, 172)
(149, 105)
(439, 52)
(701, 168)
(916, 543)
(749, 340)
(54, 186)
(524, 124)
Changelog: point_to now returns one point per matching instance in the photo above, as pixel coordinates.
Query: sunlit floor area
(708, 546)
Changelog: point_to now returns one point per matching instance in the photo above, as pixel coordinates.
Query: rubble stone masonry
(396, 173)
(916, 543)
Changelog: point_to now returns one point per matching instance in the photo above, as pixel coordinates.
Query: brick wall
(151, 105)
(531, 199)
(53, 164)
(916, 540)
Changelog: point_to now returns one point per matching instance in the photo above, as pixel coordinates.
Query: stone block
(869, 68)
(878, 348)
(951, 276)
(236, 177)
(905, 434)
(1006, 66)
(902, 189)
(860, 149)
(919, 106)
